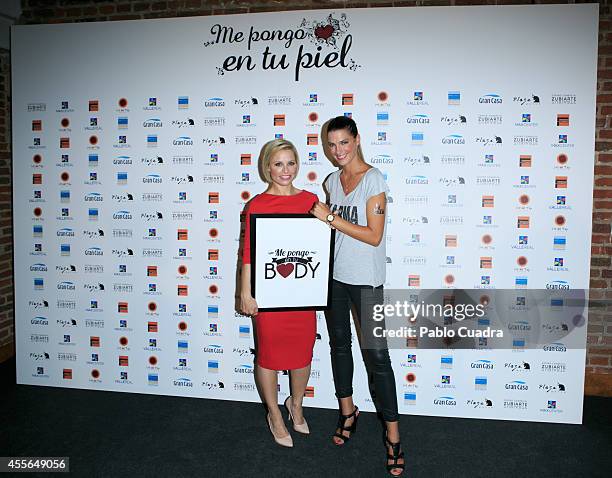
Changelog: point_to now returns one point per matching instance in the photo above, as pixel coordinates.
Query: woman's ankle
(347, 407)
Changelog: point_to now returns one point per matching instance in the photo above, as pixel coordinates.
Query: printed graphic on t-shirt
(348, 213)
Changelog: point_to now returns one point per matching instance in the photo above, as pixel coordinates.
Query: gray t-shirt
(356, 262)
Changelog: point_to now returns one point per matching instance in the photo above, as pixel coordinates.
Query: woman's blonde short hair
(268, 152)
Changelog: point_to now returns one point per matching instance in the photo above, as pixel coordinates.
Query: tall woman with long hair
(357, 204)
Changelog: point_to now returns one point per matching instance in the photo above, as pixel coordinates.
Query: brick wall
(599, 340)
(7, 330)
(599, 362)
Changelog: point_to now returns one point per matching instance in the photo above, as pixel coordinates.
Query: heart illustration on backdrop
(285, 269)
(324, 32)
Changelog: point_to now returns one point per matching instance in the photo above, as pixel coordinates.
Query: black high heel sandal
(352, 428)
(397, 455)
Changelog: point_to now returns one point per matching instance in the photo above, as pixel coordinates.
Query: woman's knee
(339, 337)
(379, 360)
(340, 345)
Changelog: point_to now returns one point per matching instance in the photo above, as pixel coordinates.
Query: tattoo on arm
(378, 210)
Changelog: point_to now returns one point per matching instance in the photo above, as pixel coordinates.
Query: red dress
(284, 339)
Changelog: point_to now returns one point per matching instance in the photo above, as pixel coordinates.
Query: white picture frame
(291, 262)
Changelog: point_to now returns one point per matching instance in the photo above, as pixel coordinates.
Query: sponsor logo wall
(136, 147)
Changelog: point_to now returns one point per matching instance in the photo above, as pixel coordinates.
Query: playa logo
(298, 264)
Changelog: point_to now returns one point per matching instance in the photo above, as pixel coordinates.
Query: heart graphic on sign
(285, 269)
(324, 32)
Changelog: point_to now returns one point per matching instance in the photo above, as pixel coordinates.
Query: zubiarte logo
(298, 264)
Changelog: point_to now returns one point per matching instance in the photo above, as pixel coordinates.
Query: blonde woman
(284, 339)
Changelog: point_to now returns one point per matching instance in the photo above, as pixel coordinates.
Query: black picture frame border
(253, 243)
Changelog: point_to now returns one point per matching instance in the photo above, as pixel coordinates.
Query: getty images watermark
(517, 319)
(413, 312)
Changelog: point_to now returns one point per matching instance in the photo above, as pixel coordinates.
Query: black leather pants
(376, 355)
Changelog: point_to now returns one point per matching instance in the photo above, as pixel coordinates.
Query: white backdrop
(135, 148)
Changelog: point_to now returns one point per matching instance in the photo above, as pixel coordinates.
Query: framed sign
(291, 262)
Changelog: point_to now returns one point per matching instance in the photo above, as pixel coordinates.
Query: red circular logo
(487, 239)
(522, 261)
(560, 220)
(152, 360)
(95, 373)
(65, 177)
(182, 269)
(562, 158)
(152, 306)
(213, 289)
(37, 211)
(449, 279)
(93, 140)
(65, 122)
(37, 158)
(245, 195)
(123, 103)
(383, 96)
(313, 117)
(524, 199)
(123, 341)
(312, 176)
(485, 300)
(182, 326)
(213, 233)
(410, 378)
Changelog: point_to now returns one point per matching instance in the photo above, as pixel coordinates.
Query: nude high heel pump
(300, 428)
(282, 441)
